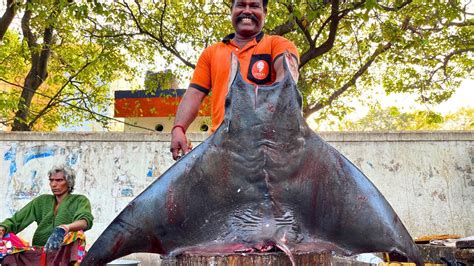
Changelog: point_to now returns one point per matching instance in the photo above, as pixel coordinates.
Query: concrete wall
(427, 177)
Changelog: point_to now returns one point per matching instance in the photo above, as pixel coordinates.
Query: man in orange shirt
(260, 58)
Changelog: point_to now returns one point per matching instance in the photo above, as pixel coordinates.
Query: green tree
(54, 70)
(74, 48)
(463, 119)
(416, 46)
(392, 119)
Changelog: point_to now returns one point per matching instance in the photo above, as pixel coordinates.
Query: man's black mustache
(250, 16)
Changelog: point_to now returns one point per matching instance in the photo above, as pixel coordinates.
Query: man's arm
(56, 238)
(280, 68)
(21, 219)
(75, 226)
(187, 112)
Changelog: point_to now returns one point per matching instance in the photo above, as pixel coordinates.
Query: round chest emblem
(260, 69)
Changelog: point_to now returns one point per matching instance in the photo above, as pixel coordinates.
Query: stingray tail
(287, 251)
(408, 248)
(129, 233)
(414, 255)
(112, 244)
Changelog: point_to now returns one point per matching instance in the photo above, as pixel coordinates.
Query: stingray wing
(339, 204)
(186, 206)
(168, 215)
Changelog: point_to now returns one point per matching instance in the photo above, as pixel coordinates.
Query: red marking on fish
(362, 198)
(117, 244)
(157, 245)
(271, 108)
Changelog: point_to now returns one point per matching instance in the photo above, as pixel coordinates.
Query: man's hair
(265, 3)
(69, 175)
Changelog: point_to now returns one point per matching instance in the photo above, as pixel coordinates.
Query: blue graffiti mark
(12, 210)
(72, 159)
(38, 152)
(10, 155)
(150, 172)
(126, 192)
(34, 181)
(19, 195)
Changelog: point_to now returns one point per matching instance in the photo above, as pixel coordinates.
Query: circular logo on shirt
(260, 69)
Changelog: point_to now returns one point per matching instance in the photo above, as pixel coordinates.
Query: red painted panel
(154, 107)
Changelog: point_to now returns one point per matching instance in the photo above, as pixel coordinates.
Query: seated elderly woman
(55, 215)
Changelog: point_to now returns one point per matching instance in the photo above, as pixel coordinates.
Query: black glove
(55, 239)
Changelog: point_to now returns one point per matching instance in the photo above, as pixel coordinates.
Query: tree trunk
(32, 83)
(7, 17)
(40, 55)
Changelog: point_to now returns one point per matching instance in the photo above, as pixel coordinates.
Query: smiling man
(260, 58)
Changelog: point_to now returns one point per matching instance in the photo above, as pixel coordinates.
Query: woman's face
(58, 184)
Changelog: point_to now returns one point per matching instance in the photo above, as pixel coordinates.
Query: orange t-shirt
(256, 66)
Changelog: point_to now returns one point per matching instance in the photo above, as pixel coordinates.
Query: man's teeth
(246, 20)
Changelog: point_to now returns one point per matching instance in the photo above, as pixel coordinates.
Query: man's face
(248, 17)
(58, 184)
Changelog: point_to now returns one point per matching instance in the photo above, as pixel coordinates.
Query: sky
(463, 97)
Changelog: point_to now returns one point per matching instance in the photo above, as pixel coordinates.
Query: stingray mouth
(263, 247)
(269, 246)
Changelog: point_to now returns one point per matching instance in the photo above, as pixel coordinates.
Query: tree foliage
(422, 47)
(52, 71)
(392, 119)
(417, 46)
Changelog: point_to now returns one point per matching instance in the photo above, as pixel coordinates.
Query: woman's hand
(55, 240)
(2, 231)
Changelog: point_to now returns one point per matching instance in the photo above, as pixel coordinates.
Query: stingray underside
(263, 180)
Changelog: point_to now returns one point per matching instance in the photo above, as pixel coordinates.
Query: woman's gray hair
(69, 175)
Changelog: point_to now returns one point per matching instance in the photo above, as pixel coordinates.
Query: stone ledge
(402, 136)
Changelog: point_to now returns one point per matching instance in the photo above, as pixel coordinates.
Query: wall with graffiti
(427, 177)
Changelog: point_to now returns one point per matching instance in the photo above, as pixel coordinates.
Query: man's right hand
(179, 143)
(187, 111)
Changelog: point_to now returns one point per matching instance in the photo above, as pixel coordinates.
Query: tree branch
(51, 102)
(158, 39)
(94, 114)
(7, 17)
(397, 8)
(116, 35)
(283, 29)
(304, 29)
(10, 83)
(25, 28)
(446, 61)
(466, 23)
(351, 82)
(329, 43)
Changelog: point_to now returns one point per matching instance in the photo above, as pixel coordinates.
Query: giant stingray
(264, 179)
